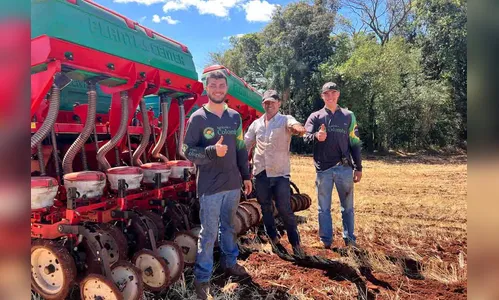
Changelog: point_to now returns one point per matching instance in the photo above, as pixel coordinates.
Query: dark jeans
(277, 187)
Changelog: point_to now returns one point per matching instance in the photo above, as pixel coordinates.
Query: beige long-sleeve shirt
(271, 144)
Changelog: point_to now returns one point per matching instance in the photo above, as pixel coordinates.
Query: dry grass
(415, 208)
(411, 208)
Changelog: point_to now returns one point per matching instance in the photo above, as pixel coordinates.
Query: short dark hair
(215, 75)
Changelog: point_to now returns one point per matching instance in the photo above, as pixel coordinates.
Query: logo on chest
(226, 130)
(336, 128)
(208, 133)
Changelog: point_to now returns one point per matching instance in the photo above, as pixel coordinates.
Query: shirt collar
(327, 110)
(206, 107)
(273, 118)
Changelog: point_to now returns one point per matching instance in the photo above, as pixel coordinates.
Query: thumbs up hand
(221, 148)
(321, 135)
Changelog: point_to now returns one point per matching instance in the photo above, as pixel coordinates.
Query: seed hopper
(113, 203)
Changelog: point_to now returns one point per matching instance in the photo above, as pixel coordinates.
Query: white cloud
(168, 19)
(256, 10)
(219, 8)
(142, 19)
(145, 2)
(259, 11)
(239, 35)
(156, 19)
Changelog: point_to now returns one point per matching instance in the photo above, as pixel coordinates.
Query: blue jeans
(342, 177)
(266, 187)
(219, 208)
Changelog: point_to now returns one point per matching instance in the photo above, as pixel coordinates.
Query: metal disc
(174, 258)
(256, 205)
(292, 200)
(138, 235)
(176, 218)
(96, 286)
(298, 200)
(109, 242)
(188, 245)
(151, 225)
(155, 274)
(303, 201)
(195, 231)
(100, 239)
(238, 225)
(53, 270)
(245, 215)
(158, 221)
(119, 237)
(309, 200)
(128, 279)
(253, 212)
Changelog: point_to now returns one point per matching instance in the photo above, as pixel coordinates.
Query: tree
(382, 17)
(396, 106)
(242, 59)
(441, 28)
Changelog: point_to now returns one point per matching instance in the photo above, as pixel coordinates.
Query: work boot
(350, 243)
(202, 290)
(298, 251)
(275, 241)
(238, 271)
(276, 245)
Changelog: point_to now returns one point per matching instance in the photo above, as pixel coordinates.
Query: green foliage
(441, 28)
(396, 105)
(407, 91)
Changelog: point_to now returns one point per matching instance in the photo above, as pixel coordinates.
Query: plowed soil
(411, 231)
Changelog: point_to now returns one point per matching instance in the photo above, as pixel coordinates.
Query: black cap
(329, 86)
(270, 95)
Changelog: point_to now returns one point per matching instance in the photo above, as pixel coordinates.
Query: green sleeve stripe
(239, 135)
(354, 139)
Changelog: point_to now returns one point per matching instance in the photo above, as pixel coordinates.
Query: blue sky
(202, 25)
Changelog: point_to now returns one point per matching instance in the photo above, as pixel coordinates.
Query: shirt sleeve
(291, 121)
(355, 143)
(250, 136)
(309, 135)
(192, 149)
(242, 153)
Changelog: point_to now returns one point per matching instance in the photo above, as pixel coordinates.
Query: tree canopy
(402, 71)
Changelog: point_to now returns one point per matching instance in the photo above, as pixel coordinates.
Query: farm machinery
(113, 201)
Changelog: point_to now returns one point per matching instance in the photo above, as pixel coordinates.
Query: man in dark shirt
(214, 142)
(334, 134)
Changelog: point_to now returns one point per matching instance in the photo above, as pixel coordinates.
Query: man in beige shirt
(271, 136)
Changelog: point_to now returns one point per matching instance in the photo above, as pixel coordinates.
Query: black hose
(101, 154)
(164, 133)
(181, 130)
(145, 135)
(41, 163)
(56, 155)
(49, 121)
(79, 143)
